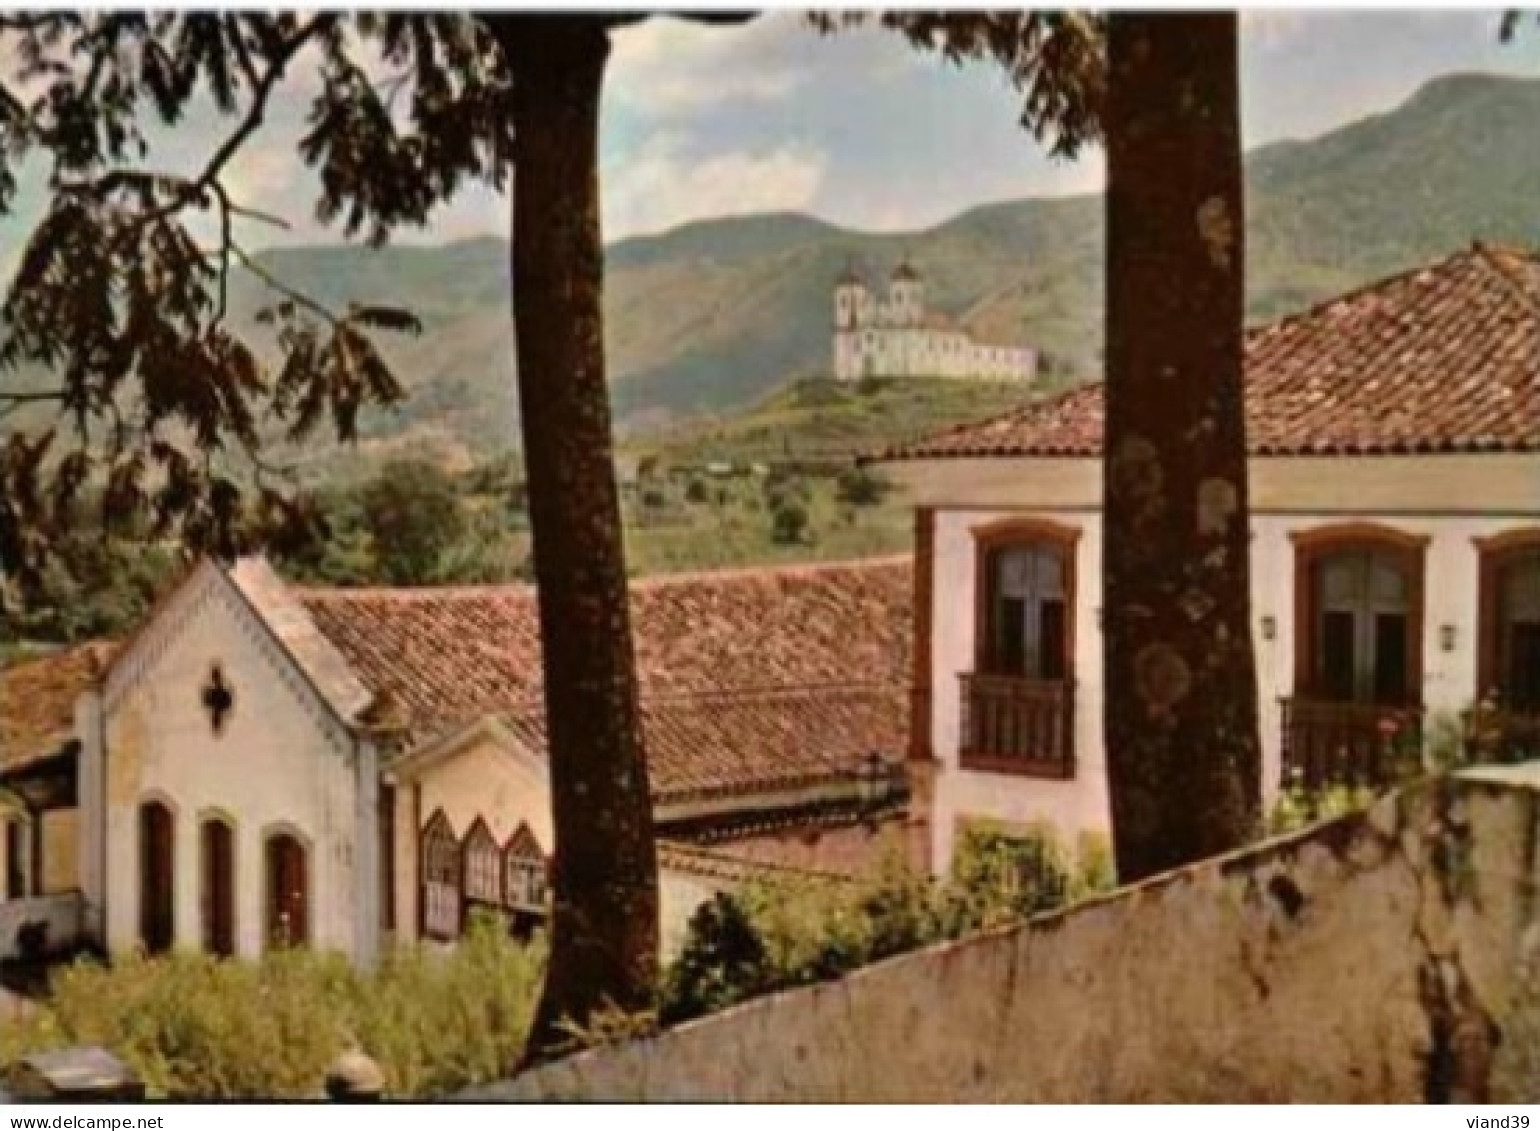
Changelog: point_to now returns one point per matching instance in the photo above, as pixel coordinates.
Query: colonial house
(1394, 435)
(262, 764)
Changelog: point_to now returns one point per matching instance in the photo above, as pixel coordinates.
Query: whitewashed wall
(480, 774)
(1082, 804)
(280, 764)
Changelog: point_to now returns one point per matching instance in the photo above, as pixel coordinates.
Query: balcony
(1018, 726)
(1494, 734)
(1328, 743)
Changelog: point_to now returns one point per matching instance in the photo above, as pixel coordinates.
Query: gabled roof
(1445, 358)
(37, 701)
(752, 681)
(447, 656)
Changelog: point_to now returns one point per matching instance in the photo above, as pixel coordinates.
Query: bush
(788, 522)
(200, 1027)
(773, 936)
(1298, 807)
(861, 487)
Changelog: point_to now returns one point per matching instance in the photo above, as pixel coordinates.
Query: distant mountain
(713, 315)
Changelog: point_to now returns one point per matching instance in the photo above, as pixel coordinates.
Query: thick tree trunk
(604, 930)
(1181, 710)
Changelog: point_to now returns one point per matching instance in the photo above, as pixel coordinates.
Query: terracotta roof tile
(749, 679)
(1445, 358)
(37, 700)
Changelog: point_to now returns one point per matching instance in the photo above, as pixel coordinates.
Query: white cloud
(661, 186)
(1273, 29)
(672, 67)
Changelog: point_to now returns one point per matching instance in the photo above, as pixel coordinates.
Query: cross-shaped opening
(218, 698)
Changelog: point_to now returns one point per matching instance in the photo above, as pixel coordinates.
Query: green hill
(713, 316)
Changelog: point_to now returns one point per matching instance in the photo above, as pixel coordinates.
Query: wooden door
(218, 888)
(157, 860)
(288, 902)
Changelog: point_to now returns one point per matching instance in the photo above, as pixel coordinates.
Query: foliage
(413, 512)
(771, 936)
(788, 521)
(862, 487)
(199, 1027)
(1298, 807)
(94, 584)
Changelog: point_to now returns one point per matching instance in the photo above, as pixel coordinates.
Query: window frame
(1495, 552)
(435, 827)
(1029, 534)
(479, 837)
(1312, 548)
(523, 848)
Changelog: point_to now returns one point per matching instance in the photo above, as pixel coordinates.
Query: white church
(895, 337)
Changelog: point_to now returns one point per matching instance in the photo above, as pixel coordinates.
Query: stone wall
(1386, 957)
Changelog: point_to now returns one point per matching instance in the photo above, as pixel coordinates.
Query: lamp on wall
(1269, 627)
(1446, 637)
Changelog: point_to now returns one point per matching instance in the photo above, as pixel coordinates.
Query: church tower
(850, 300)
(906, 296)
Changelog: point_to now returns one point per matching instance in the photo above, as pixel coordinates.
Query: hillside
(712, 316)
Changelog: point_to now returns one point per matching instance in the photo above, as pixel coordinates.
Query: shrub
(1298, 807)
(788, 522)
(200, 1027)
(861, 487)
(773, 936)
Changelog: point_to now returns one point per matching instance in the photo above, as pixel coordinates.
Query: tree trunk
(604, 929)
(1181, 708)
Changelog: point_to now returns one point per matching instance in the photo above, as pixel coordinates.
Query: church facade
(895, 336)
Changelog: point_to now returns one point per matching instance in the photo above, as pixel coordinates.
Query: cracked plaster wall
(1380, 958)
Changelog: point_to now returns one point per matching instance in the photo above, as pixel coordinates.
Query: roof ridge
(1492, 255)
(1353, 294)
(650, 581)
(965, 426)
(410, 592)
(786, 569)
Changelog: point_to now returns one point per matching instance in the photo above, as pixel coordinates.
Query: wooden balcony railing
(1018, 726)
(1327, 743)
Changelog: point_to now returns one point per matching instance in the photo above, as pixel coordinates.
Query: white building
(262, 764)
(896, 337)
(1395, 570)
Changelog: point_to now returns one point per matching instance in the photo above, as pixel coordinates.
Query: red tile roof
(37, 701)
(1445, 358)
(750, 679)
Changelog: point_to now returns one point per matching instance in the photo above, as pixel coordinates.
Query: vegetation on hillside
(713, 315)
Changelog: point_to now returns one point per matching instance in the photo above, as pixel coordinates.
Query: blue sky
(859, 130)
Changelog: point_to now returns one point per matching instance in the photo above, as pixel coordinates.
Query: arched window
(483, 866)
(441, 899)
(288, 890)
(525, 873)
(1359, 615)
(1018, 702)
(157, 862)
(1026, 611)
(217, 846)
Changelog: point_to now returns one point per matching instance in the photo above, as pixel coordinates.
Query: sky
(860, 130)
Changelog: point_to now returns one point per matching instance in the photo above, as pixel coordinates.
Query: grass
(193, 1026)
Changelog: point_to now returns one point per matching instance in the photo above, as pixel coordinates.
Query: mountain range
(713, 315)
